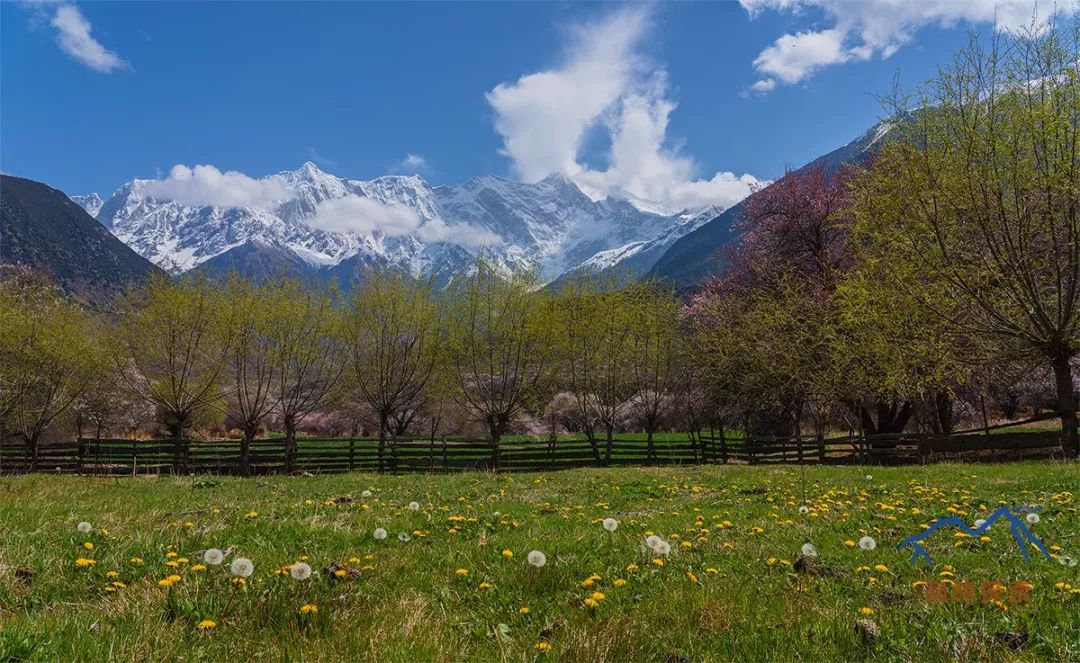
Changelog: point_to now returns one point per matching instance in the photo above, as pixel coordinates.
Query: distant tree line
(935, 283)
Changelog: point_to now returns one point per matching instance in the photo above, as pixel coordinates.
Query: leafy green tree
(174, 350)
(51, 355)
(306, 353)
(390, 332)
(499, 344)
(594, 319)
(979, 195)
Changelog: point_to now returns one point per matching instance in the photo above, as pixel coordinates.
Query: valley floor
(452, 579)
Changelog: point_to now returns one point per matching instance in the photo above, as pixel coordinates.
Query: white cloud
(867, 28)
(363, 216)
(605, 82)
(206, 185)
(73, 35)
(436, 230)
(414, 162)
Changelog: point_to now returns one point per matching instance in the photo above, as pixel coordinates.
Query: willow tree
(250, 323)
(173, 352)
(51, 355)
(658, 346)
(594, 319)
(499, 346)
(980, 195)
(391, 337)
(306, 355)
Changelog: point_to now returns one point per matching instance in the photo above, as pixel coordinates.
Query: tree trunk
(32, 449)
(179, 454)
(290, 445)
(245, 449)
(383, 423)
(1066, 403)
(610, 444)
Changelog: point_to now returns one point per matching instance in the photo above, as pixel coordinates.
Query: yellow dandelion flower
(206, 625)
(523, 610)
(136, 560)
(308, 608)
(881, 568)
(543, 646)
(462, 572)
(598, 596)
(112, 574)
(485, 585)
(341, 573)
(591, 603)
(619, 582)
(198, 567)
(83, 562)
(507, 553)
(866, 612)
(631, 567)
(88, 545)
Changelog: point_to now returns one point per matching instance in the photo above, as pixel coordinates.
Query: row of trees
(950, 263)
(404, 354)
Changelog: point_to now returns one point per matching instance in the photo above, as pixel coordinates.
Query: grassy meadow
(452, 580)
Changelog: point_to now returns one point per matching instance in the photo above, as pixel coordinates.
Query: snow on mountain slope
(551, 225)
(91, 202)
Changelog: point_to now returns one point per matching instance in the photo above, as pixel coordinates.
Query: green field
(730, 589)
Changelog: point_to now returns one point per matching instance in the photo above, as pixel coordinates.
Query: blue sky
(686, 103)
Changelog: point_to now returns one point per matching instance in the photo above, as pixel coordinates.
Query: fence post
(80, 455)
(445, 459)
(723, 445)
(352, 453)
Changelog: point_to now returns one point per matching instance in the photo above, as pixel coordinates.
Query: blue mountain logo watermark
(1019, 529)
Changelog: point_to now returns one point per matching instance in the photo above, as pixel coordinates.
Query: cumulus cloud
(859, 31)
(363, 215)
(206, 185)
(74, 38)
(603, 81)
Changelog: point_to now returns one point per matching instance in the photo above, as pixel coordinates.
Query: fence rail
(330, 455)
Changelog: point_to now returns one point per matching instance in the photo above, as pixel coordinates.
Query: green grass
(407, 603)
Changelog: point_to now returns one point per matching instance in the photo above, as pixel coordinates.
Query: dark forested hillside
(43, 229)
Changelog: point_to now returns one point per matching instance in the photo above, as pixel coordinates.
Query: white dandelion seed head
(300, 571)
(84, 527)
(663, 549)
(652, 541)
(804, 509)
(867, 543)
(1032, 518)
(380, 533)
(365, 494)
(808, 550)
(980, 522)
(610, 524)
(213, 557)
(242, 567)
(537, 558)
(404, 538)
(1063, 560)
(1072, 562)
(414, 506)
(869, 477)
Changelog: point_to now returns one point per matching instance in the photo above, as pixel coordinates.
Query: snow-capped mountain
(91, 203)
(551, 226)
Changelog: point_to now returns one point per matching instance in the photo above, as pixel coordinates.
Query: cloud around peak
(207, 185)
(604, 81)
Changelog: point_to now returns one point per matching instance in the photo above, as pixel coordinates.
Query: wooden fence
(328, 455)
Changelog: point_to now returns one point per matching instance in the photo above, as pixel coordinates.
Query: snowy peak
(91, 202)
(327, 222)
